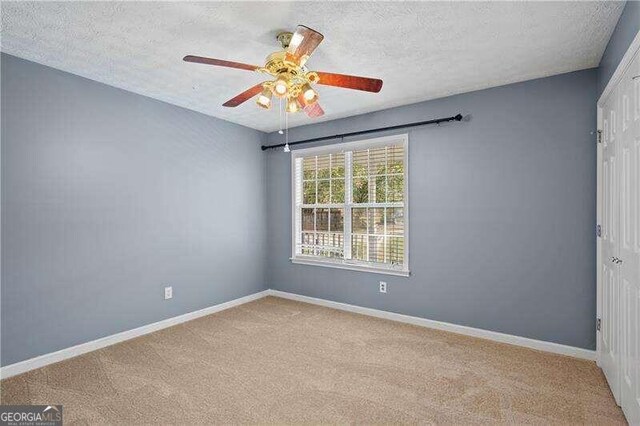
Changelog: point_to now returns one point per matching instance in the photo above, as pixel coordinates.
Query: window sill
(350, 266)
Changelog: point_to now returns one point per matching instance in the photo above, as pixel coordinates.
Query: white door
(619, 210)
(629, 264)
(609, 343)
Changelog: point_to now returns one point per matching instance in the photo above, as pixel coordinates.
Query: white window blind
(350, 205)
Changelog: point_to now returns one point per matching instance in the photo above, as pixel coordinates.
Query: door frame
(613, 81)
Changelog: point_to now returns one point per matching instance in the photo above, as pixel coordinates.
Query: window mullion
(330, 179)
(298, 170)
(329, 233)
(348, 185)
(315, 211)
(369, 198)
(386, 200)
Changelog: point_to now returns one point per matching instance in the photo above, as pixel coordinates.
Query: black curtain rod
(364, 132)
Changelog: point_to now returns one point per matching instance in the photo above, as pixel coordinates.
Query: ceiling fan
(293, 81)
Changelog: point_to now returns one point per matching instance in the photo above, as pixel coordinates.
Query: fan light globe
(310, 95)
(292, 105)
(280, 87)
(264, 99)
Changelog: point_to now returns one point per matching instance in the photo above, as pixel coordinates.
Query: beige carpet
(278, 361)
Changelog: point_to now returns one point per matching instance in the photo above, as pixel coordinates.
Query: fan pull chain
(280, 120)
(286, 134)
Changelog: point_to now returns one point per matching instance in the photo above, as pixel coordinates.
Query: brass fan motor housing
(284, 66)
(279, 65)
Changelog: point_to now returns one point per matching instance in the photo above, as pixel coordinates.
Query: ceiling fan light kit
(264, 99)
(292, 81)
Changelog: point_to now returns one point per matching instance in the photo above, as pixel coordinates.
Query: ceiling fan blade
(314, 110)
(350, 81)
(244, 96)
(303, 42)
(219, 62)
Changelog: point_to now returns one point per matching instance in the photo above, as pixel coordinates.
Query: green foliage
(360, 190)
(387, 187)
(324, 186)
(309, 192)
(337, 191)
(378, 177)
(324, 173)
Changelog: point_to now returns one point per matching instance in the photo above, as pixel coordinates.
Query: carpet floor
(280, 361)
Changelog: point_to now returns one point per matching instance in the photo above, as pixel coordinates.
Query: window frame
(351, 264)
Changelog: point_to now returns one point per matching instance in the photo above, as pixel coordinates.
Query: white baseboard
(53, 357)
(454, 328)
(61, 355)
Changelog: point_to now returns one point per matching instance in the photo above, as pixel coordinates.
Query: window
(350, 205)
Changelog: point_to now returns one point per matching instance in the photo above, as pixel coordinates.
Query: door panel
(629, 149)
(609, 354)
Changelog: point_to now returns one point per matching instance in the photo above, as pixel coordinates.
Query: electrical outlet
(383, 287)
(168, 293)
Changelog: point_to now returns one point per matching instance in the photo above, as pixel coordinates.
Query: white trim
(73, 351)
(352, 267)
(632, 50)
(439, 325)
(407, 210)
(599, 158)
(347, 262)
(620, 69)
(331, 148)
(63, 354)
(294, 211)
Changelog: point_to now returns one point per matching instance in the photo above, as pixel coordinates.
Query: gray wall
(624, 33)
(502, 213)
(108, 196)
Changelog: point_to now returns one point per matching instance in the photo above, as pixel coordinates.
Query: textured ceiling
(421, 50)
